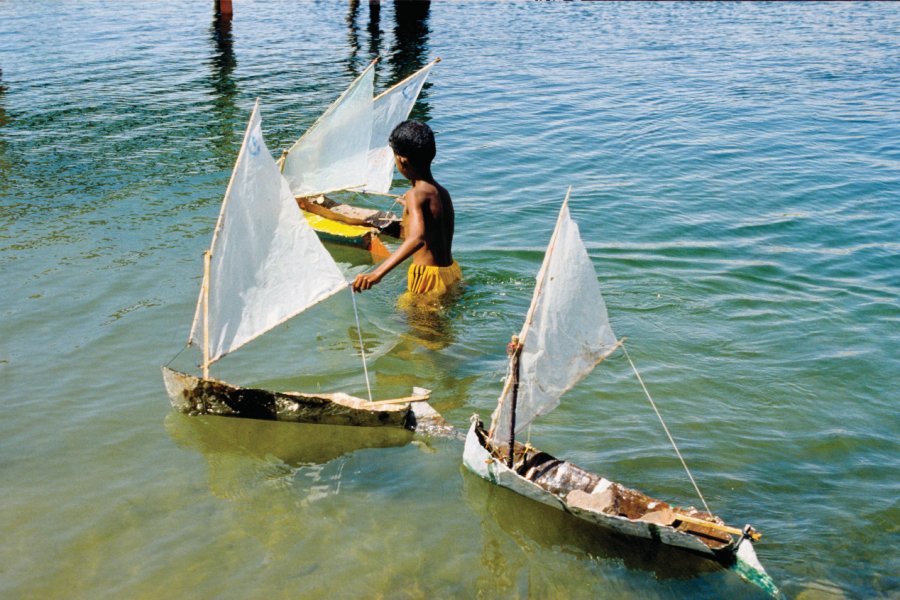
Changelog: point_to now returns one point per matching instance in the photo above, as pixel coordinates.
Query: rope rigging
(671, 439)
(362, 350)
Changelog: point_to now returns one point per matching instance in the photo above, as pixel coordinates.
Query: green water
(735, 175)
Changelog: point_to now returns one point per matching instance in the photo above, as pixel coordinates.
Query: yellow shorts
(423, 279)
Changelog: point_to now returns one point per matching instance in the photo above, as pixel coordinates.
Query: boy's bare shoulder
(424, 192)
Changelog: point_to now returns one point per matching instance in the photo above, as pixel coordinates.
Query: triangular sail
(390, 109)
(566, 333)
(267, 263)
(347, 148)
(333, 154)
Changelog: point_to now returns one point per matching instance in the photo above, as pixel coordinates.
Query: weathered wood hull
(347, 225)
(197, 396)
(384, 222)
(603, 503)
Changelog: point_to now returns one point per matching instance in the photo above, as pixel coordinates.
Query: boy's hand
(365, 281)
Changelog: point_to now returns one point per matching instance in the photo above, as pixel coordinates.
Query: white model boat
(566, 334)
(265, 265)
(347, 149)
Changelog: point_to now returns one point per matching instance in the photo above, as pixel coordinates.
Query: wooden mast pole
(206, 259)
(538, 288)
(515, 350)
(207, 256)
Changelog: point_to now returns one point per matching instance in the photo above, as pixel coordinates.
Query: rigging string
(177, 355)
(362, 350)
(653, 404)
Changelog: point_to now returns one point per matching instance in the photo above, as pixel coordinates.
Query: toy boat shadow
(505, 513)
(293, 444)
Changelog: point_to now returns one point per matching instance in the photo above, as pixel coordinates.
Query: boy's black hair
(414, 141)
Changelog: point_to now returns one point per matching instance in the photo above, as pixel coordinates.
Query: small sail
(333, 154)
(390, 109)
(566, 333)
(267, 263)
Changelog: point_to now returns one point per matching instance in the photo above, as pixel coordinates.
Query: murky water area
(735, 175)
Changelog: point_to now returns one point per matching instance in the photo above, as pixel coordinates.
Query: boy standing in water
(428, 219)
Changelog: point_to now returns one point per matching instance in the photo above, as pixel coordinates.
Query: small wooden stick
(206, 259)
(754, 535)
(407, 400)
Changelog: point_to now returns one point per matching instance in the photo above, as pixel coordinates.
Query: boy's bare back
(428, 213)
(428, 216)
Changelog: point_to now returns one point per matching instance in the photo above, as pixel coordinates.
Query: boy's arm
(415, 238)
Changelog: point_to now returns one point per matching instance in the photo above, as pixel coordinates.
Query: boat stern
(748, 567)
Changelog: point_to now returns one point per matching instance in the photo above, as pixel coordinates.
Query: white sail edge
(268, 265)
(568, 336)
(204, 285)
(529, 316)
(405, 80)
(389, 109)
(542, 273)
(332, 107)
(322, 298)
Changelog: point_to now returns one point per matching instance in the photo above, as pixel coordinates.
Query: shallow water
(735, 175)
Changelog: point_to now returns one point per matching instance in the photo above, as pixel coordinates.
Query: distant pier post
(223, 7)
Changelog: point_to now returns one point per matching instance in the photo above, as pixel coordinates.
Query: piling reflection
(222, 63)
(5, 166)
(374, 29)
(355, 63)
(243, 454)
(4, 118)
(410, 51)
(353, 37)
(512, 524)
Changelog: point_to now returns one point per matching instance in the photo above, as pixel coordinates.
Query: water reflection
(4, 118)
(410, 50)
(5, 166)
(353, 36)
(512, 523)
(243, 454)
(374, 28)
(430, 324)
(221, 65)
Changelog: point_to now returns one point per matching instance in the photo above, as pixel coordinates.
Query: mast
(206, 260)
(519, 340)
(515, 350)
(202, 311)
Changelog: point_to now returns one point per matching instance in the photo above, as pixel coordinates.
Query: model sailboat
(347, 149)
(566, 334)
(265, 265)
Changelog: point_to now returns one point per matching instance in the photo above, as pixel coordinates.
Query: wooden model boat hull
(357, 236)
(599, 501)
(197, 396)
(349, 225)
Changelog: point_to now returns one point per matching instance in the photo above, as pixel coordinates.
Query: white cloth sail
(390, 109)
(566, 333)
(333, 154)
(348, 146)
(267, 263)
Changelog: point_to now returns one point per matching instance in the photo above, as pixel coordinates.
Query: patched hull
(602, 503)
(197, 396)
